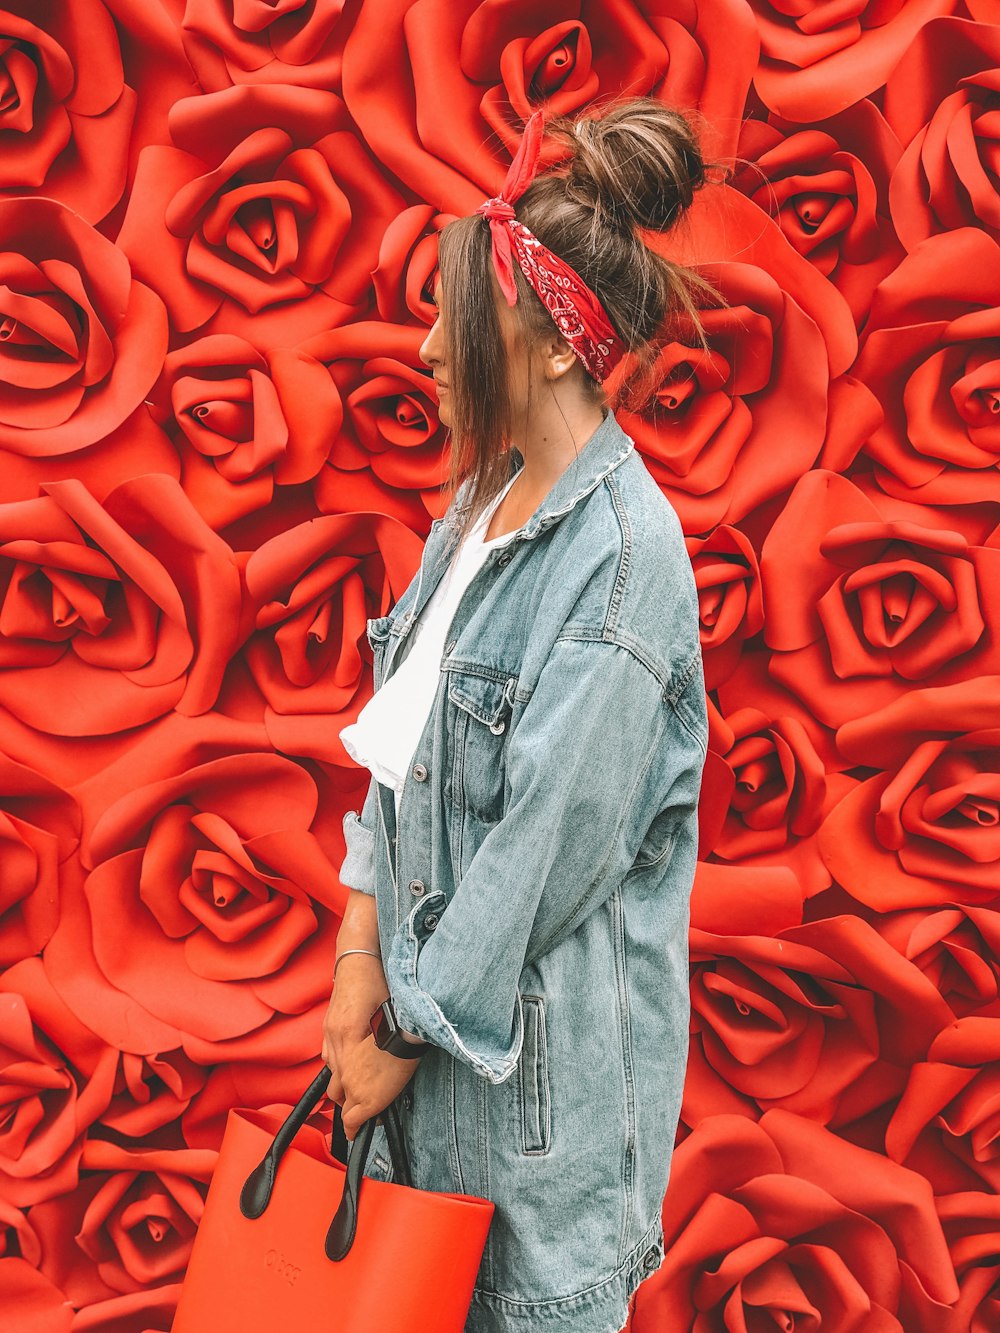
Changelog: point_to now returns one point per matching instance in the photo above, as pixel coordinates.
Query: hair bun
(638, 164)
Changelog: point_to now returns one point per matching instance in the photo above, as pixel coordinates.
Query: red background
(220, 455)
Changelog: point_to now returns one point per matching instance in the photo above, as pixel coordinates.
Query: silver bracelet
(347, 951)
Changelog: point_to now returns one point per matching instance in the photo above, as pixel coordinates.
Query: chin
(444, 411)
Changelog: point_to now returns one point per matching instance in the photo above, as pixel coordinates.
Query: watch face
(382, 1024)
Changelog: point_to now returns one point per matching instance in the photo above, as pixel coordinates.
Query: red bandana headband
(576, 311)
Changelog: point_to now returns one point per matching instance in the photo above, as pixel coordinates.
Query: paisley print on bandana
(575, 310)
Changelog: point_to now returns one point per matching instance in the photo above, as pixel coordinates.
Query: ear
(558, 357)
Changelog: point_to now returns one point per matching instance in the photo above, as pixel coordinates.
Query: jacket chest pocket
(481, 711)
(377, 631)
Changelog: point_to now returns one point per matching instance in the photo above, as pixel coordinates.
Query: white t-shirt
(389, 726)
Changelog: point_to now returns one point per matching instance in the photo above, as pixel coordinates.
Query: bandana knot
(575, 309)
(497, 207)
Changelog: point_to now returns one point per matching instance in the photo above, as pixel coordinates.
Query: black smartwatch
(388, 1036)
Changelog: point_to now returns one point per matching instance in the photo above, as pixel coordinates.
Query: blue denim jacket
(533, 904)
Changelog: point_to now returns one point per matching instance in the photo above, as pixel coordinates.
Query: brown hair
(636, 164)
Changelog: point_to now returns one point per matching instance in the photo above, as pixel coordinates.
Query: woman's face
(432, 353)
(522, 374)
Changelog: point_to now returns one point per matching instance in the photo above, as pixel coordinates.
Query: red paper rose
(941, 101)
(66, 113)
(39, 828)
(930, 355)
(433, 88)
(730, 605)
(773, 371)
(390, 454)
(407, 263)
(310, 656)
(80, 340)
(132, 1220)
(814, 62)
(783, 1221)
(945, 1124)
(827, 187)
(971, 1223)
(212, 904)
(125, 610)
(775, 791)
(265, 41)
(822, 1019)
(267, 198)
(151, 1091)
(957, 949)
(243, 422)
(927, 830)
(55, 1081)
(867, 597)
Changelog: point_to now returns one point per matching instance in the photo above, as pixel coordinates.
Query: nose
(432, 347)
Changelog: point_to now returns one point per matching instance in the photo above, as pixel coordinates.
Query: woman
(521, 869)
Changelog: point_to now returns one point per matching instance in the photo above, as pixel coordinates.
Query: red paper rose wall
(221, 455)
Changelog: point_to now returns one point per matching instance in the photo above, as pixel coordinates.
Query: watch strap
(393, 1041)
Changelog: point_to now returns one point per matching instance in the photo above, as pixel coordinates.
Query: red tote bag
(291, 1239)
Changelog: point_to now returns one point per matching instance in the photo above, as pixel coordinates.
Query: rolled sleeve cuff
(419, 1012)
(357, 870)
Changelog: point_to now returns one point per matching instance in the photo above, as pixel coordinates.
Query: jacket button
(408, 1099)
(504, 559)
(430, 921)
(417, 887)
(449, 646)
(419, 771)
(652, 1259)
(497, 727)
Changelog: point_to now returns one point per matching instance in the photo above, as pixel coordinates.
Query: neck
(555, 433)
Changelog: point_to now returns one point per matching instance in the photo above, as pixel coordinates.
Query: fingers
(335, 1088)
(354, 1114)
(352, 1123)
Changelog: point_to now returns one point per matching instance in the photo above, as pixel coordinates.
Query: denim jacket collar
(607, 447)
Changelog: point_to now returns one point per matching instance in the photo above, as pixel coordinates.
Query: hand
(372, 1078)
(359, 990)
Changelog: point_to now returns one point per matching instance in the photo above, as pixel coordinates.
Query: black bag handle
(259, 1185)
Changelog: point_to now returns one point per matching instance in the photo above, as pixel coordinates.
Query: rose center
(18, 83)
(45, 330)
(9, 97)
(897, 596)
(556, 67)
(257, 220)
(812, 210)
(223, 417)
(978, 810)
(51, 604)
(157, 1227)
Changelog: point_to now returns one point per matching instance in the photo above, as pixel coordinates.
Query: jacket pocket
(483, 705)
(658, 844)
(533, 1073)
